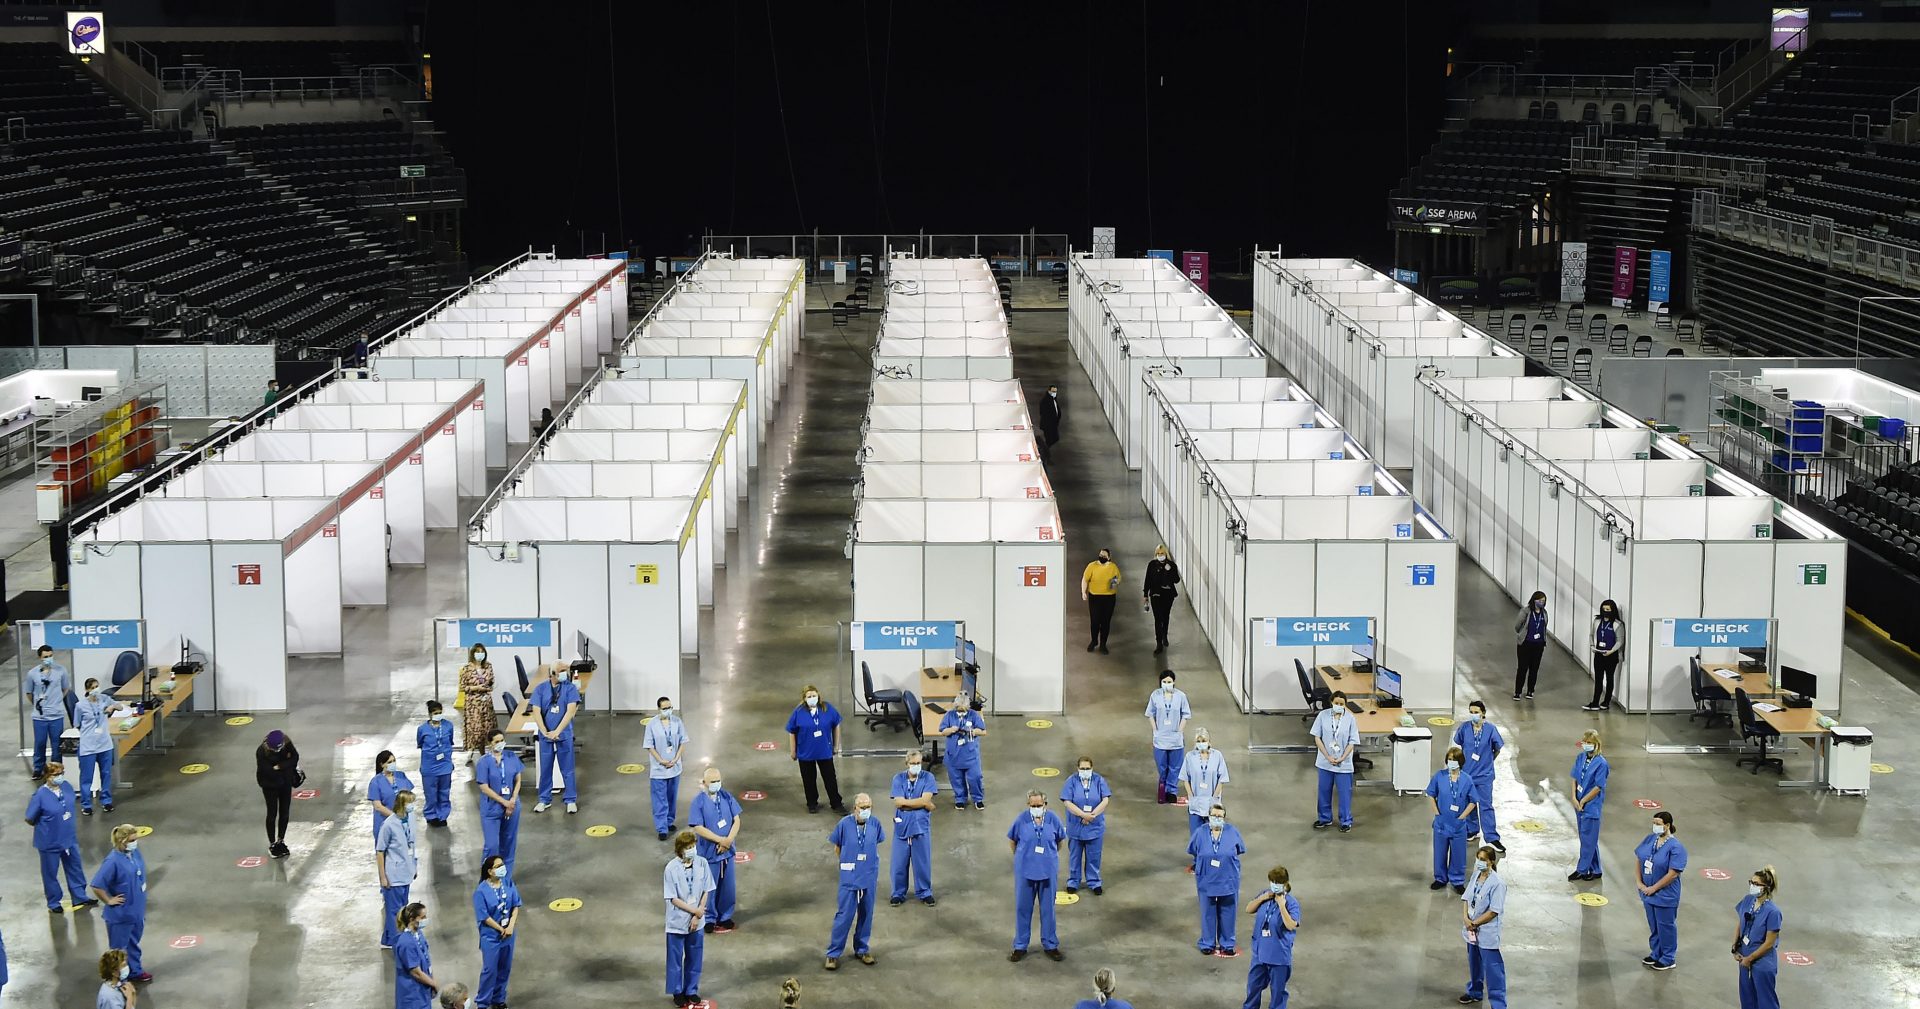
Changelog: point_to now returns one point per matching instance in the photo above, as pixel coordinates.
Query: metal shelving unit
(82, 451)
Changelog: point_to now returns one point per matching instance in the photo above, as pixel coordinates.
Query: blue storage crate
(1793, 464)
(1806, 409)
(1893, 429)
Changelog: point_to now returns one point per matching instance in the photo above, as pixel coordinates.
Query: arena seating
(180, 237)
(1884, 515)
(1501, 162)
(320, 58)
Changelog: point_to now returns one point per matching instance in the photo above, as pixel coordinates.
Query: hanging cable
(780, 102)
(613, 96)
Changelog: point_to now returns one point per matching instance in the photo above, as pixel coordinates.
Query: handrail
(686, 275)
(1237, 519)
(1897, 117)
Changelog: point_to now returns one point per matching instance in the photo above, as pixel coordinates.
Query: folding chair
(1557, 354)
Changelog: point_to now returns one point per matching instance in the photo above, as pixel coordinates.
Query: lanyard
(1587, 772)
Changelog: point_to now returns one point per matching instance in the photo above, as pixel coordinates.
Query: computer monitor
(959, 650)
(1386, 683)
(968, 688)
(1756, 654)
(973, 658)
(1364, 651)
(1799, 681)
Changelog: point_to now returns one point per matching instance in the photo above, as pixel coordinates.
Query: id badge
(816, 735)
(1214, 862)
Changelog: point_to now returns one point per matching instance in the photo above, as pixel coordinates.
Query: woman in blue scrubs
(1103, 994)
(388, 780)
(396, 861)
(1216, 849)
(1663, 861)
(50, 813)
(121, 884)
(1481, 741)
(1756, 941)
(1481, 908)
(92, 715)
(413, 983)
(496, 909)
(1276, 918)
(1451, 794)
(1588, 787)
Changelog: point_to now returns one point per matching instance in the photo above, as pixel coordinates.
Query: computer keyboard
(1331, 672)
(1354, 706)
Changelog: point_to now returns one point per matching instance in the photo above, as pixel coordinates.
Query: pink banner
(1624, 259)
(1195, 265)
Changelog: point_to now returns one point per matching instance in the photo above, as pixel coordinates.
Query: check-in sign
(1297, 631)
(505, 632)
(1722, 632)
(69, 634)
(905, 635)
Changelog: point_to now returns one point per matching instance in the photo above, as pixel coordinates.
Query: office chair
(512, 703)
(526, 685)
(884, 707)
(1755, 730)
(930, 754)
(1318, 698)
(1705, 697)
(126, 666)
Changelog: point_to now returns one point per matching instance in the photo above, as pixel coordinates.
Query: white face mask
(1659, 830)
(1453, 765)
(1586, 747)
(686, 857)
(498, 872)
(1480, 865)
(499, 746)
(1086, 774)
(1201, 746)
(1167, 686)
(124, 971)
(1039, 812)
(913, 770)
(1277, 887)
(713, 788)
(393, 767)
(1755, 889)
(133, 845)
(862, 813)
(479, 656)
(434, 718)
(1478, 716)
(813, 700)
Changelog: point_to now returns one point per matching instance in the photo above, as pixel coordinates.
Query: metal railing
(1023, 254)
(1631, 155)
(229, 85)
(1817, 239)
(1901, 114)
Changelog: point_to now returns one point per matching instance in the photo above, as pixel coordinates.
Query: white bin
(1850, 759)
(1412, 759)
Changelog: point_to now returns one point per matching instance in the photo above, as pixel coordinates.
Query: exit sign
(413, 171)
(1813, 574)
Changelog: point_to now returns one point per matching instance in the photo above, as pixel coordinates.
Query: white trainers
(573, 807)
(543, 807)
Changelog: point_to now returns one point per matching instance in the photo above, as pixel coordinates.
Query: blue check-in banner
(80, 634)
(1287, 632)
(905, 635)
(504, 632)
(1718, 632)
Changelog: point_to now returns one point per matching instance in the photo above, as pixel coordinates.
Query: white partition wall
(463, 418)
(1618, 512)
(1359, 339)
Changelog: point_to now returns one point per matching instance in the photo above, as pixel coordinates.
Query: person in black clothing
(277, 771)
(1047, 415)
(1158, 592)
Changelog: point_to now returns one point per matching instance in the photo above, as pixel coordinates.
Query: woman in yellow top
(1100, 587)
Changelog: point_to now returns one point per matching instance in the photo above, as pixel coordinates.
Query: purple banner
(1624, 259)
(1195, 265)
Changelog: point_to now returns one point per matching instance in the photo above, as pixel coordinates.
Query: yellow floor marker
(1439, 720)
(1063, 897)
(565, 904)
(194, 769)
(1040, 723)
(1046, 772)
(600, 830)
(631, 768)
(1530, 826)
(1591, 899)
(240, 720)
(1880, 768)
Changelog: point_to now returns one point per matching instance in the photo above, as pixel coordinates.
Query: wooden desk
(1354, 685)
(522, 722)
(1727, 677)
(938, 683)
(1802, 722)
(166, 702)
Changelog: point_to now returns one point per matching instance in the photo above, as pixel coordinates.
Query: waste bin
(1412, 758)
(1850, 759)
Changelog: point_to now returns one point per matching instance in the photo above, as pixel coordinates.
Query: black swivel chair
(884, 707)
(1754, 729)
(912, 701)
(1706, 698)
(526, 685)
(1318, 698)
(126, 666)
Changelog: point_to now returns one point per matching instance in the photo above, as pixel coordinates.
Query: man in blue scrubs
(666, 741)
(714, 818)
(913, 792)
(856, 845)
(46, 688)
(962, 726)
(1335, 738)
(498, 775)
(1035, 839)
(1086, 797)
(554, 703)
(435, 739)
(1480, 740)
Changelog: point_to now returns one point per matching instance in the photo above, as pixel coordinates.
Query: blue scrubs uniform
(51, 812)
(963, 756)
(499, 832)
(436, 768)
(1085, 840)
(551, 703)
(1272, 953)
(1454, 796)
(1757, 982)
(859, 846)
(665, 735)
(1203, 774)
(48, 684)
(408, 953)
(124, 874)
(1480, 748)
(913, 836)
(717, 812)
(395, 845)
(91, 717)
(496, 950)
(1590, 772)
(382, 791)
(1036, 867)
(1663, 905)
(1486, 969)
(1169, 712)
(1335, 729)
(686, 938)
(1216, 876)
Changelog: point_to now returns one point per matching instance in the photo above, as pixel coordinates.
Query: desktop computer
(1363, 657)
(1800, 686)
(1387, 688)
(1753, 660)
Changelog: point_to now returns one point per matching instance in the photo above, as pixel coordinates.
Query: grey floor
(304, 932)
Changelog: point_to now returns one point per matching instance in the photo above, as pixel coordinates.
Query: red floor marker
(185, 941)
(1716, 874)
(251, 862)
(306, 793)
(349, 741)
(1797, 959)
(1646, 803)
(763, 746)
(743, 857)
(753, 795)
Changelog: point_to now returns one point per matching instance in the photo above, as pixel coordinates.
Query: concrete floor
(303, 931)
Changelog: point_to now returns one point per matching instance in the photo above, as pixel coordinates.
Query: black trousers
(279, 807)
(1528, 669)
(1604, 667)
(824, 768)
(1162, 610)
(1100, 613)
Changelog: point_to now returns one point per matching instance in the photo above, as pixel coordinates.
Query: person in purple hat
(277, 772)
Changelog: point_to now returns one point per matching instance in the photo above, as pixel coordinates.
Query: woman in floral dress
(476, 683)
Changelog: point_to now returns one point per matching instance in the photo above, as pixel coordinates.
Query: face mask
(393, 768)
(1167, 686)
(1039, 812)
(713, 788)
(1478, 716)
(1339, 707)
(862, 814)
(1480, 865)
(499, 746)
(1052, 395)
(913, 770)
(666, 713)
(1202, 747)
(1586, 747)
(1453, 765)
(434, 718)
(1105, 559)
(1277, 888)
(1659, 830)
(686, 858)
(420, 926)
(1216, 822)
(479, 656)
(1755, 889)
(1086, 774)
(813, 700)
(498, 872)
(1160, 557)
(133, 845)
(124, 971)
